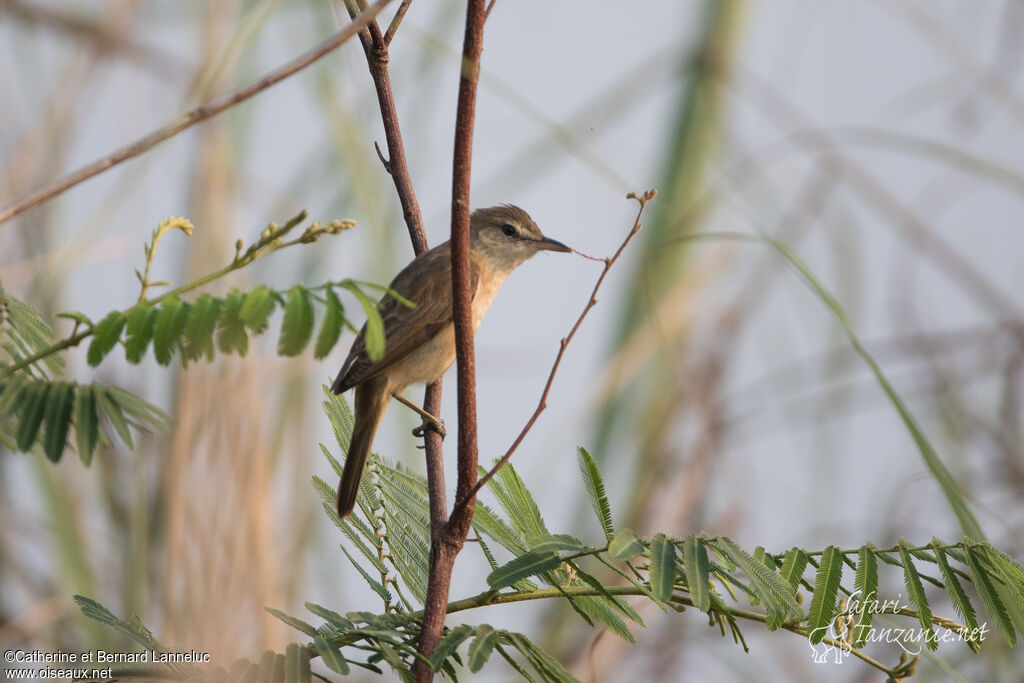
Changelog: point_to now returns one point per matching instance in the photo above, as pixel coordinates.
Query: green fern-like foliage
(389, 540)
(199, 329)
(41, 411)
(51, 415)
(23, 332)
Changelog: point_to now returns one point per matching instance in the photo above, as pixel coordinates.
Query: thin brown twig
(377, 58)
(192, 117)
(591, 302)
(490, 6)
(396, 20)
(589, 257)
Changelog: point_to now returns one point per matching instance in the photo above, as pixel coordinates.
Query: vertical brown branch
(375, 47)
(461, 293)
(435, 463)
(448, 541)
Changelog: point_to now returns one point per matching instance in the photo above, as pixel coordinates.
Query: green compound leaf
(793, 567)
(330, 329)
(231, 334)
(105, 336)
(481, 647)
(259, 304)
(87, 424)
(625, 545)
(202, 322)
(663, 567)
(695, 556)
(138, 332)
(826, 587)
(449, 644)
(331, 656)
(58, 419)
(168, 329)
(32, 412)
(915, 592)
(865, 592)
(596, 492)
(374, 330)
(957, 596)
(527, 564)
(989, 595)
(297, 328)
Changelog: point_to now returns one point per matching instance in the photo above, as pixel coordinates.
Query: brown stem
(542, 403)
(435, 465)
(375, 47)
(449, 539)
(191, 118)
(396, 20)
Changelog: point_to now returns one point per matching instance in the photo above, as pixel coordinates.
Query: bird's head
(507, 236)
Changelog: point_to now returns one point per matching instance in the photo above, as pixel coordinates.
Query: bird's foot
(434, 424)
(430, 423)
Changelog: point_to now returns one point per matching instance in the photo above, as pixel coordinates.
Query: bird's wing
(428, 285)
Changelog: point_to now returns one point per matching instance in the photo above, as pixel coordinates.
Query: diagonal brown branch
(191, 118)
(542, 403)
(396, 20)
(375, 47)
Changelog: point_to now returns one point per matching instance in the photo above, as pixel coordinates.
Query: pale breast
(433, 358)
(426, 363)
(490, 283)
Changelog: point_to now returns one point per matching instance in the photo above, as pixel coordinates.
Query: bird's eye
(509, 230)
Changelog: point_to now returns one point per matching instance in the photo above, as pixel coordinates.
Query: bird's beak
(548, 244)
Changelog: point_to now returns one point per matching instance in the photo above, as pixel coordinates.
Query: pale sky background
(797, 470)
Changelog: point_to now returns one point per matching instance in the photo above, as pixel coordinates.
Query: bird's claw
(434, 425)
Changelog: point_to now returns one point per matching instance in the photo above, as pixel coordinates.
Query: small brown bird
(420, 341)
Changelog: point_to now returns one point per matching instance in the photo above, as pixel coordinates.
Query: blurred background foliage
(882, 141)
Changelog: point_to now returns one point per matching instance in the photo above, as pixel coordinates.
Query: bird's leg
(429, 421)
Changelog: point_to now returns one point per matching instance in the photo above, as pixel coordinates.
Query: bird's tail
(371, 402)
